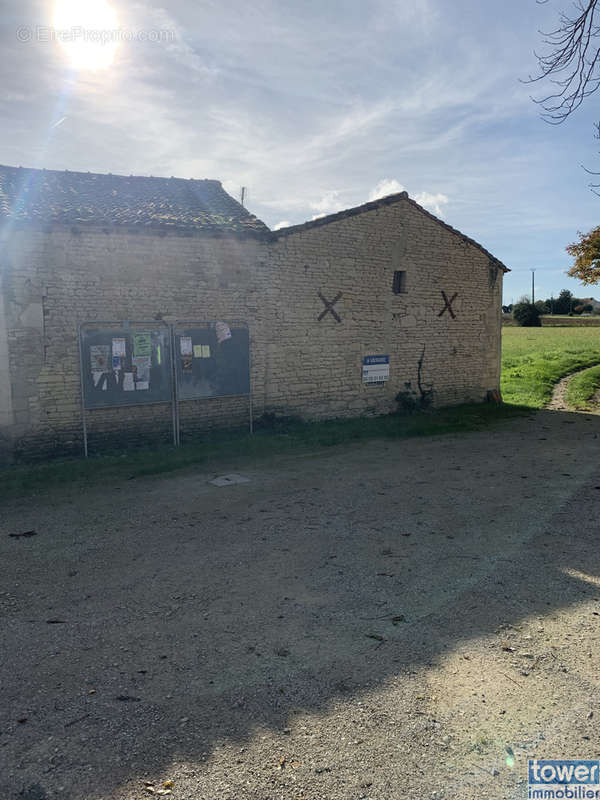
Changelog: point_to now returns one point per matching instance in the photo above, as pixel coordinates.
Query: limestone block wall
(54, 280)
(313, 368)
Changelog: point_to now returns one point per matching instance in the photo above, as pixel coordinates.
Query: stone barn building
(344, 313)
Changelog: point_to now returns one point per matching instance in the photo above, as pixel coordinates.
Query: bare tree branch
(594, 186)
(572, 63)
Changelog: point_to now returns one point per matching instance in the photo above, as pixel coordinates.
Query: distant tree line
(528, 314)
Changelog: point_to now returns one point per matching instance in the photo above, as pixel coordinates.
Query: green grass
(581, 388)
(235, 449)
(534, 359)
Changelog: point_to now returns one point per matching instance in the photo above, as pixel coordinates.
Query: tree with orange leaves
(586, 253)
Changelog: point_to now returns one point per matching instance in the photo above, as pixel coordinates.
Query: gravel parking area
(409, 619)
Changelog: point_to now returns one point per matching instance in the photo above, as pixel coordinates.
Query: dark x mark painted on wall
(329, 307)
(448, 304)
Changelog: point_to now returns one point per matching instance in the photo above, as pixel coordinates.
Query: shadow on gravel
(149, 623)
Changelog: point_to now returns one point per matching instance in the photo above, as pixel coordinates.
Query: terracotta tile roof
(379, 203)
(86, 198)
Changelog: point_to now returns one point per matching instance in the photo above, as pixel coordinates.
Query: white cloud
(175, 44)
(328, 204)
(331, 115)
(283, 224)
(429, 200)
(385, 187)
(432, 202)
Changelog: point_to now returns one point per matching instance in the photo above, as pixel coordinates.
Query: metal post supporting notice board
(176, 433)
(174, 404)
(83, 416)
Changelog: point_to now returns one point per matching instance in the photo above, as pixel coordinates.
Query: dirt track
(374, 621)
(558, 401)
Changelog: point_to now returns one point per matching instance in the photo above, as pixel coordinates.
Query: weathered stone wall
(53, 280)
(314, 368)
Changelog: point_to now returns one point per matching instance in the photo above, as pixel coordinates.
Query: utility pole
(532, 287)
(243, 195)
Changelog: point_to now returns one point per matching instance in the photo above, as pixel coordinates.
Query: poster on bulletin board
(212, 359)
(125, 366)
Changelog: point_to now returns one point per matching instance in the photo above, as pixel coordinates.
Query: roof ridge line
(89, 173)
(372, 205)
(462, 235)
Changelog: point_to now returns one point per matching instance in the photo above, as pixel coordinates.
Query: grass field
(558, 320)
(582, 388)
(534, 359)
(571, 322)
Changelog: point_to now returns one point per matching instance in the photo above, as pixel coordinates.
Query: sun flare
(87, 32)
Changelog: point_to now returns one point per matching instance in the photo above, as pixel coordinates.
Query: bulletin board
(212, 359)
(125, 365)
(139, 363)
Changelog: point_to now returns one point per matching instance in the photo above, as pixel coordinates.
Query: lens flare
(87, 32)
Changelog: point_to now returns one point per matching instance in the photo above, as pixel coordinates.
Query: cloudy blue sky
(315, 107)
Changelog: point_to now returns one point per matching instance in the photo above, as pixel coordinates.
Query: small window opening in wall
(399, 285)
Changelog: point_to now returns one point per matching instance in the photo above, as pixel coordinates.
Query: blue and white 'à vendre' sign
(376, 369)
